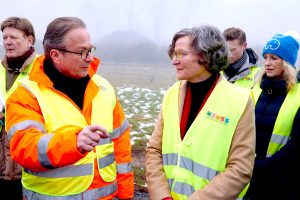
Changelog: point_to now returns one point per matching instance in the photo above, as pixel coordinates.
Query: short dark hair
(22, 24)
(56, 31)
(234, 33)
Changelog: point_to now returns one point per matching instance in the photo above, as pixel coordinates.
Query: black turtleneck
(198, 92)
(73, 88)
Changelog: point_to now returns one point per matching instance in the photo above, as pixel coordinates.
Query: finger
(100, 130)
(103, 135)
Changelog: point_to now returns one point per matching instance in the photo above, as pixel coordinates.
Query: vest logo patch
(102, 87)
(248, 78)
(216, 117)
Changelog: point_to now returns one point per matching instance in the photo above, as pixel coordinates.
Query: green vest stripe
(67, 171)
(42, 150)
(25, 125)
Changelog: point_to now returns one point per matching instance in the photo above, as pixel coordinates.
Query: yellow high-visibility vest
(20, 77)
(190, 164)
(285, 118)
(249, 80)
(61, 115)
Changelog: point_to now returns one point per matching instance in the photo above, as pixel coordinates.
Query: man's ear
(55, 55)
(30, 40)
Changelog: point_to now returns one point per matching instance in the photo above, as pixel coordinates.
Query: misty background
(139, 31)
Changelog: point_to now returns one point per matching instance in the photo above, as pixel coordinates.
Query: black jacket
(276, 177)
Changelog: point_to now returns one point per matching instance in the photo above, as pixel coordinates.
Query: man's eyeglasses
(179, 54)
(84, 53)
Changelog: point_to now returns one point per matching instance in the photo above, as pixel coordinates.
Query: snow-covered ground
(141, 107)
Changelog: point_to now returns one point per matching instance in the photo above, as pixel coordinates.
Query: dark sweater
(198, 92)
(73, 88)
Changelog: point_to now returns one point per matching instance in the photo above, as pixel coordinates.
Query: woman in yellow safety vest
(204, 140)
(277, 97)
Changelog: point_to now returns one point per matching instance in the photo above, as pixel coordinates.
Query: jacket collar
(27, 62)
(38, 75)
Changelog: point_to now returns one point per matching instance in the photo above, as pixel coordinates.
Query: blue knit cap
(283, 46)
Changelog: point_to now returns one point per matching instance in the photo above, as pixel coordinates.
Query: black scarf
(73, 88)
(233, 68)
(15, 63)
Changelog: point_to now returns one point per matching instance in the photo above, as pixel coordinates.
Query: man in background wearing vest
(203, 144)
(18, 40)
(65, 125)
(242, 68)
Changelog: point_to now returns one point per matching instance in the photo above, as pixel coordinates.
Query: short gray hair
(56, 31)
(209, 41)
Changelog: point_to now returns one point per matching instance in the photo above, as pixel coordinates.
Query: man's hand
(90, 136)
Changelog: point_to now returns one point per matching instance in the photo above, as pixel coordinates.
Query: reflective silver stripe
(170, 159)
(198, 169)
(96, 193)
(186, 189)
(269, 155)
(25, 125)
(107, 160)
(186, 163)
(67, 171)
(170, 181)
(105, 141)
(279, 139)
(123, 168)
(183, 188)
(117, 132)
(42, 150)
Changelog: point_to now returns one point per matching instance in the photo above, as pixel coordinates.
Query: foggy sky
(158, 20)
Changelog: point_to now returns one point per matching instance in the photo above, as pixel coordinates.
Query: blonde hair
(289, 75)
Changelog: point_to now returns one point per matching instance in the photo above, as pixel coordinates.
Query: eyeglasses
(179, 54)
(84, 53)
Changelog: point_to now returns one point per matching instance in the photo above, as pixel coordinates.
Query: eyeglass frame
(91, 50)
(178, 53)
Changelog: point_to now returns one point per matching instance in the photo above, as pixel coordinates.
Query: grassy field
(140, 89)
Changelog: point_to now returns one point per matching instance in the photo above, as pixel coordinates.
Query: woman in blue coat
(277, 96)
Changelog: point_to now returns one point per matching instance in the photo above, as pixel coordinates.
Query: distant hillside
(130, 47)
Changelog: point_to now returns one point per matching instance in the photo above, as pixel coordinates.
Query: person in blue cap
(277, 98)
